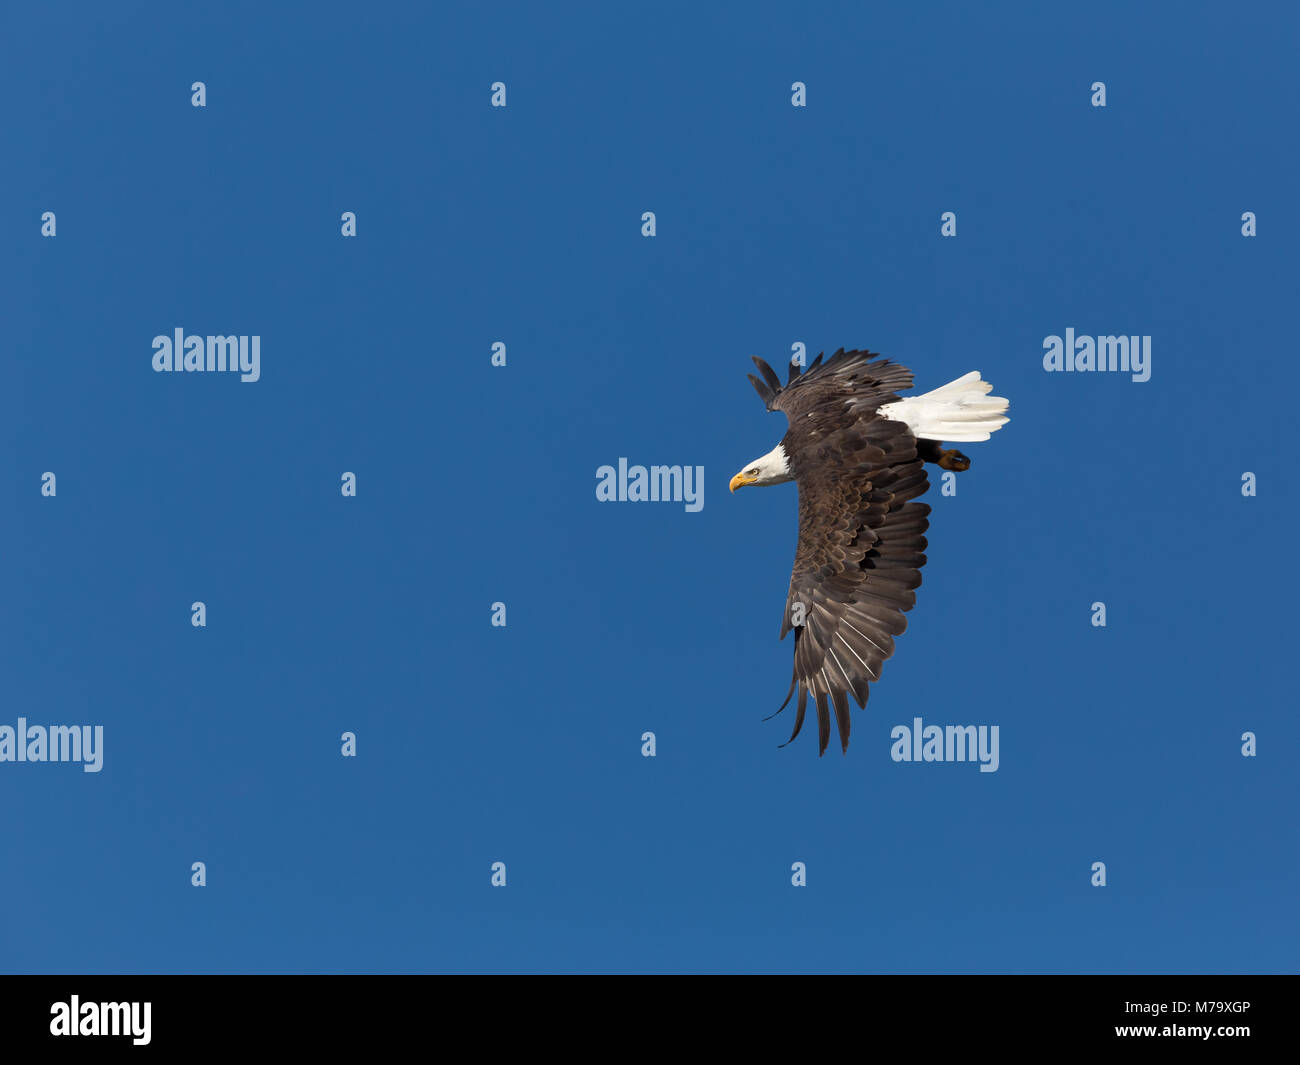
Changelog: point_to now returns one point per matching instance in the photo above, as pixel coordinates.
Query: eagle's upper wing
(861, 534)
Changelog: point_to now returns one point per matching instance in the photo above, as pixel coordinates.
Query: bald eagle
(858, 452)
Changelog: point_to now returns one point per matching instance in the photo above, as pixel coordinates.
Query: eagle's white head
(772, 468)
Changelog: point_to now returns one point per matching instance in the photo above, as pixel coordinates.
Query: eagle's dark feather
(861, 533)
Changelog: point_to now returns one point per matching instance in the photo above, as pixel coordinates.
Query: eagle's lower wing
(861, 549)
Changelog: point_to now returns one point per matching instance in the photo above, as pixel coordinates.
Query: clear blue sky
(476, 484)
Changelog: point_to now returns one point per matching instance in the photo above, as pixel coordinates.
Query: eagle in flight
(858, 453)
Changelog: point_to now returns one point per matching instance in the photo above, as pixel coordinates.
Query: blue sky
(521, 744)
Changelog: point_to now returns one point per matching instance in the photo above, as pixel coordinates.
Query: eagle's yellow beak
(740, 480)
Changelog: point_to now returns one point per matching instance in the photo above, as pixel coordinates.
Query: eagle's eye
(752, 473)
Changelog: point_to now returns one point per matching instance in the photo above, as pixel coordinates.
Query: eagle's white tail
(960, 411)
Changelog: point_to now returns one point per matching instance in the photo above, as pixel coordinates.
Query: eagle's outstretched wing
(861, 534)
